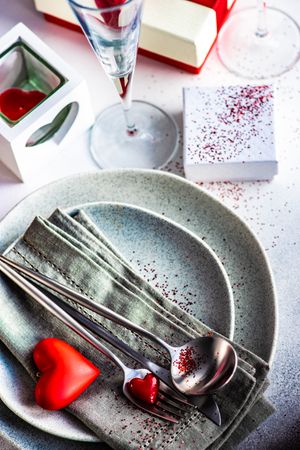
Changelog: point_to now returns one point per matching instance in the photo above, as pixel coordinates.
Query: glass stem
(261, 30)
(124, 87)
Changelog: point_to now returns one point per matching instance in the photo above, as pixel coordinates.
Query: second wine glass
(139, 135)
(259, 42)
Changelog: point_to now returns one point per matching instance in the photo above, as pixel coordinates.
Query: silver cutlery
(167, 407)
(201, 366)
(206, 404)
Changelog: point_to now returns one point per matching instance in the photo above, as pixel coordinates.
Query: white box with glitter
(229, 133)
(44, 103)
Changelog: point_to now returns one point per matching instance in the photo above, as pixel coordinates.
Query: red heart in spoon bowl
(145, 389)
(65, 373)
(16, 102)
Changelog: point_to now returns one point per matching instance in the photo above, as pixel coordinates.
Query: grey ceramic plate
(231, 239)
(175, 260)
(171, 258)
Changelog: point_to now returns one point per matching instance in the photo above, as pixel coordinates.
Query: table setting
(146, 259)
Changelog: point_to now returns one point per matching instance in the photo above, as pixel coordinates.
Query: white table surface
(272, 209)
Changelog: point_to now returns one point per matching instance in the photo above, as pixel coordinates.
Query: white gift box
(229, 133)
(28, 144)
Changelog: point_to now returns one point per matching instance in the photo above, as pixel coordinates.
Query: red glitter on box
(221, 123)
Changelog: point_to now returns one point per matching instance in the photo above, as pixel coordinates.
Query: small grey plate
(175, 261)
(182, 201)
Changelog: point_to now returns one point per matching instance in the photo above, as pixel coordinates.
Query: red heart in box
(16, 102)
(65, 373)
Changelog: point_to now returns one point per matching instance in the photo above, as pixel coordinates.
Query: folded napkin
(73, 251)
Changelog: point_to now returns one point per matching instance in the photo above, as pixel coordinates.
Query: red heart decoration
(65, 373)
(146, 389)
(16, 102)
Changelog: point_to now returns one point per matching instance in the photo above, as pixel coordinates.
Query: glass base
(153, 145)
(248, 55)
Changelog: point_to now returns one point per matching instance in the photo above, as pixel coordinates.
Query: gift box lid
(229, 133)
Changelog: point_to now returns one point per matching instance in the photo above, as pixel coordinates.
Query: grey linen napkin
(73, 251)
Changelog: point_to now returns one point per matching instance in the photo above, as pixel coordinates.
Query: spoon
(160, 410)
(206, 404)
(201, 366)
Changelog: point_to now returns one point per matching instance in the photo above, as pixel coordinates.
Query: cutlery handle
(85, 301)
(162, 373)
(209, 407)
(58, 312)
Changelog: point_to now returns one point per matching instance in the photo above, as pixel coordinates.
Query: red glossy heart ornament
(145, 389)
(15, 102)
(65, 373)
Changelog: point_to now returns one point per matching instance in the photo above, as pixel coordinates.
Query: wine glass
(259, 42)
(139, 135)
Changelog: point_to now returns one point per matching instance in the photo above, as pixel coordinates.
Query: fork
(167, 407)
(206, 403)
(217, 355)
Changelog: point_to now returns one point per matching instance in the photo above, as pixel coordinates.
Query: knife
(209, 408)
(206, 404)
